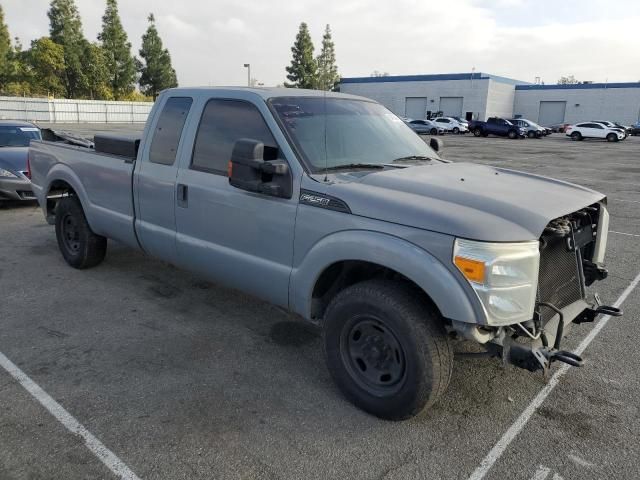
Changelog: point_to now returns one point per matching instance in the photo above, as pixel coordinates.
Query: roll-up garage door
(451, 106)
(551, 113)
(415, 107)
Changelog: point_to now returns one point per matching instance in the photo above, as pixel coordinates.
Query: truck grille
(560, 279)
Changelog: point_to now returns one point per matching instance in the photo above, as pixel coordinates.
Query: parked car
(390, 249)
(425, 126)
(613, 126)
(627, 128)
(584, 130)
(450, 124)
(462, 121)
(497, 126)
(635, 129)
(532, 129)
(14, 148)
(559, 127)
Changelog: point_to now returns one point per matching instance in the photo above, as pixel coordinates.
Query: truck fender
(61, 172)
(391, 252)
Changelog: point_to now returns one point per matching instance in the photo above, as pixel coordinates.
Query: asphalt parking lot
(184, 379)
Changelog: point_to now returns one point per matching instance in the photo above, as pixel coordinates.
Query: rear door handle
(183, 195)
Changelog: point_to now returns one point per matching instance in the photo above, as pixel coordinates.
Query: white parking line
(623, 233)
(541, 473)
(499, 448)
(105, 455)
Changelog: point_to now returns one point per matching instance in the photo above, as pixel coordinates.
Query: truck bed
(103, 183)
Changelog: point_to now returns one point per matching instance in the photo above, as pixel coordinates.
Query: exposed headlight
(503, 275)
(7, 174)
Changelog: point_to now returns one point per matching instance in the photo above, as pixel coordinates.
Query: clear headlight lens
(503, 275)
(7, 174)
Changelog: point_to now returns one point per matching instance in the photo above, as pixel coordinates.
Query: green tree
(46, 67)
(117, 52)
(568, 80)
(327, 77)
(303, 69)
(5, 51)
(66, 29)
(156, 73)
(98, 74)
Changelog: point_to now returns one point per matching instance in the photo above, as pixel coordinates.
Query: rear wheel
(80, 247)
(456, 130)
(512, 134)
(434, 131)
(386, 349)
(477, 132)
(575, 136)
(612, 137)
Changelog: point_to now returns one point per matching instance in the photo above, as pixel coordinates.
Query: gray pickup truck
(331, 207)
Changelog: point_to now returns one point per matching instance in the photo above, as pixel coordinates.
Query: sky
(210, 40)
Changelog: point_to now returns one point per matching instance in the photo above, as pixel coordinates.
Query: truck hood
(14, 159)
(461, 199)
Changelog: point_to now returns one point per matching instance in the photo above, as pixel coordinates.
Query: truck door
(155, 180)
(238, 238)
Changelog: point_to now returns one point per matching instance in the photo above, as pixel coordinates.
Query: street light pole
(248, 67)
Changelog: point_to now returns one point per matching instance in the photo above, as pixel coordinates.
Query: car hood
(461, 199)
(14, 159)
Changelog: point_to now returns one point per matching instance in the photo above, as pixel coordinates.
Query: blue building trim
(580, 86)
(432, 78)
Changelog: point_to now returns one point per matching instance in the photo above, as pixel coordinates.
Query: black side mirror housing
(255, 167)
(436, 144)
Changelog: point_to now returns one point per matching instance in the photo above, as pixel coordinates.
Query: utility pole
(248, 67)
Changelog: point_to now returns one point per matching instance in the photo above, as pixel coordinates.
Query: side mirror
(255, 167)
(436, 144)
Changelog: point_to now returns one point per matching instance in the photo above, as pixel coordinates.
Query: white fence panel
(73, 111)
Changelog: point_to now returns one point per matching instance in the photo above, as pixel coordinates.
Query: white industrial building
(481, 95)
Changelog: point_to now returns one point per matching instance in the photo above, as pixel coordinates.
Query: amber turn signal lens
(229, 169)
(473, 270)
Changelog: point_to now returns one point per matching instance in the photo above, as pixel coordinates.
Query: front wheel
(456, 130)
(386, 349)
(512, 134)
(434, 131)
(80, 247)
(575, 136)
(612, 137)
(477, 132)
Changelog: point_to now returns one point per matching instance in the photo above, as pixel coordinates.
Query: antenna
(326, 166)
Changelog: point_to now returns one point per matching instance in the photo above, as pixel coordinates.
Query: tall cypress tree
(303, 69)
(156, 73)
(327, 69)
(117, 52)
(5, 51)
(66, 29)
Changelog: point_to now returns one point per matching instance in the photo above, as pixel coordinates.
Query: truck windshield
(334, 132)
(13, 136)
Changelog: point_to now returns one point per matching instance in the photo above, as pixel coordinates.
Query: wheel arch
(347, 257)
(62, 181)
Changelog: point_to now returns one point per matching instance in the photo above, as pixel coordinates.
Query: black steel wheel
(80, 247)
(386, 348)
(477, 132)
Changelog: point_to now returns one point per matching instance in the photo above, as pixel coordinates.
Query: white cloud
(210, 41)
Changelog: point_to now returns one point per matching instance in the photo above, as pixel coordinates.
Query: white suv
(451, 125)
(584, 130)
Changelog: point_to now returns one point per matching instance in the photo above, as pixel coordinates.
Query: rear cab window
(168, 130)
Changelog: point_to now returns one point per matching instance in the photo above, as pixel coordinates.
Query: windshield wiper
(352, 166)
(414, 158)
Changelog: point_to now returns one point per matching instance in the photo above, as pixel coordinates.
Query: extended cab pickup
(330, 206)
(497, 126)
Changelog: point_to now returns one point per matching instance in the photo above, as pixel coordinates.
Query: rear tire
(80, 247)
(512, 134)
(477, 132)
(433, 131)
(575, 136)
(456, 130)
(387, 349)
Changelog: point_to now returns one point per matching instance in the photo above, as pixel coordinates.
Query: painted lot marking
(105, 455)
(623, 233)
(512, 432)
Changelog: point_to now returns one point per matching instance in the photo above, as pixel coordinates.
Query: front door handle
(183, 195)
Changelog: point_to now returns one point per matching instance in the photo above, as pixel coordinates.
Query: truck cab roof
(265, 92)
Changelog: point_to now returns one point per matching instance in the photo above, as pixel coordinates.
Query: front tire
(512, 134)
(386, 349)
(612, 137)
(434, 131)
(477, 132)
(80, 247)
(575, 136)
(456, 130)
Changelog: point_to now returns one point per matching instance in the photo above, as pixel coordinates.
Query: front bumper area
(16, 189)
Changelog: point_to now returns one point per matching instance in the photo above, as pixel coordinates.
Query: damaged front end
(571, 258)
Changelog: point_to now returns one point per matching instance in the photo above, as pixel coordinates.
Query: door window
(166, 137)
(224, 122)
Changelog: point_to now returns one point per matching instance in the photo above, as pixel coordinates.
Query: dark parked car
(14, 146)
(497, 126)
(635, 129)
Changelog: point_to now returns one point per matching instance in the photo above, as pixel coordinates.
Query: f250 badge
(314, 200)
